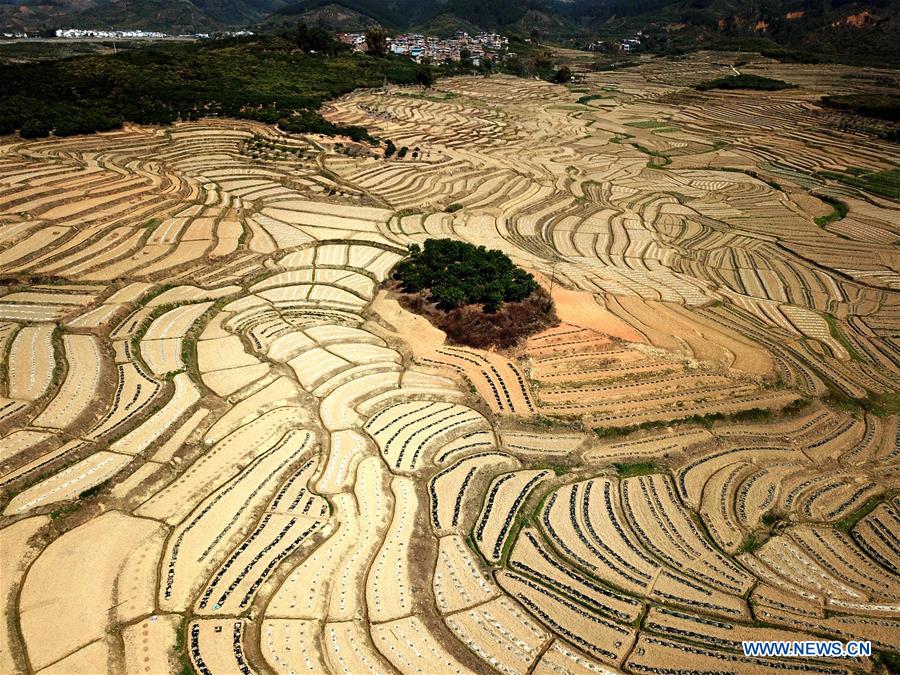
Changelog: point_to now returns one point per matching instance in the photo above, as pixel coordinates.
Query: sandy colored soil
(15, 555)
(412, 329)
(108, 551)
(218, 435)
(584, 309)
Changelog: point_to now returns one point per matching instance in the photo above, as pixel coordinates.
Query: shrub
(629, 469)
(425, 77)
(750, 544)
(772, 518)
(563, 75)
(471, 325)
(35, 128)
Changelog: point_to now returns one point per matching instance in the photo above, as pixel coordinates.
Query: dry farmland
(225, 448)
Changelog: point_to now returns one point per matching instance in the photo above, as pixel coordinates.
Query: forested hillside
(265, 78)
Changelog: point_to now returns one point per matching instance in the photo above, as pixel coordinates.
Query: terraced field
(223, 447)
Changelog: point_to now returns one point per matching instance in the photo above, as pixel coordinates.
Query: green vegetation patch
(890, 662)
(267, 78)
(478, 297)
(603, 67)
(751, 543)
(584, 100)
(64, 510)
(879, 106)
(628, 470)
(458, 273)
(92, 491)
(19, 51)
(848, 522)
(707, 420)
(180, 649)
(771, 522)
(646, 124)
(744, 81)
(839, 210)
(658, 160)
(883, 183)
(772, 519)
(834, 327)
(883, 405)
(441, 96)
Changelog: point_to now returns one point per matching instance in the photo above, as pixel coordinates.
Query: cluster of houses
(429, 47)
(77, 33)
(625, 46)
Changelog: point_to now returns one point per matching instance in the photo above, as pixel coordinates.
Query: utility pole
(552, 282)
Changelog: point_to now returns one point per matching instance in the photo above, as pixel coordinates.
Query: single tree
(515, 66)
(314, 39)
(425, 77)
(563, 75)
(377, 41)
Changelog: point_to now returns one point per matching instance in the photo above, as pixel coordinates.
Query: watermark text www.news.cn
(807, 648)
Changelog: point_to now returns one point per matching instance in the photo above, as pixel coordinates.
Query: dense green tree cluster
(311, 122)
(744, 81)
(880, 106)
(267, 78)
(458, 273)
(316, 40)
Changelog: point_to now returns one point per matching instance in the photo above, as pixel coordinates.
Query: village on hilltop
(429, 47)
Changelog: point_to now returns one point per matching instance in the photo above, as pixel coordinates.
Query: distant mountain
(178, 16)
(174, 16)
(864, 30)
